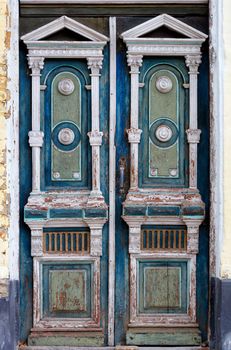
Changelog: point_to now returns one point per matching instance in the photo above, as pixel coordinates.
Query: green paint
(68, 291)
(163, 104)
(164, 336)
(161, 287)
(163, 160)
(66, 108)
(86, 339)
(66, 164)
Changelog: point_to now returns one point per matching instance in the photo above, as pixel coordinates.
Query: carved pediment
(58, 25)
(163, 20)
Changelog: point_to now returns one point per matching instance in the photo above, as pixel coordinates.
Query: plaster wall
(226, 245)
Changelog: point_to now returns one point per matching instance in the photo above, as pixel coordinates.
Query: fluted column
(95, 136)
(36, 135)
(134, 133)
(193, 133)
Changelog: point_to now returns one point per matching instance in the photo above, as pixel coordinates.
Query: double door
(114, 246)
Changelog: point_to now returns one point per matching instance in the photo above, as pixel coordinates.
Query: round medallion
(163, 133)
(164, 84)
(66, 136)
(66, 86)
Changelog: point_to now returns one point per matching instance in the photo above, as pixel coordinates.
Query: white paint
(12, 157)
(216, 135)
(61, 23)
(167, 21)
(112, 175)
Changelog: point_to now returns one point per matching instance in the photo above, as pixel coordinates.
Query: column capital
(193, 135)
(36, 138)
(36, 64)
(193, 62)
(95, 65)
(95, 137)
(134, 62)
(134, 135)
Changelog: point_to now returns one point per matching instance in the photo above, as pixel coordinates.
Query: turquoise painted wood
(168, 296)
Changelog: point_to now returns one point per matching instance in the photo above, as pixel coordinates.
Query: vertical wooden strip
(50, 242)
(158, 239)
(55, 241)
(72, 243)
(66, 242)
(179, 240)
(174, 239)
(61, 242)
(112, 173)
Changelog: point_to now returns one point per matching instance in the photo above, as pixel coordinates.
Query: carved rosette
(193, 135)
(134, 135)
(134, 62)
(66, 86)
(36, 64)
(36, 138)
(193, 62)
(164, 84)
(95, 138)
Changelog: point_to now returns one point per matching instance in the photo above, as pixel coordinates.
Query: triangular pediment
(61, 23)
(163, 20)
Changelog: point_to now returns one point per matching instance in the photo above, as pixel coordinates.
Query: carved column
(193, 133)
(95, 136)
(134, 133)
(35, 135)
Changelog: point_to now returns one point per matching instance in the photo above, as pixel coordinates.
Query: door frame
(216, 135)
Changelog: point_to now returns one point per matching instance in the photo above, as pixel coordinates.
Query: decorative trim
(35, 138)
(193, 135)
(134, 135)
(61, 23)
(164, 84)
(66, 86)
(167, 21)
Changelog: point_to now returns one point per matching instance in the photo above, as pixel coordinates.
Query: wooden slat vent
(164, 239)
(66, 242)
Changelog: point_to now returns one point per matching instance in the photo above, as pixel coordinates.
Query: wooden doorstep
(23, 347)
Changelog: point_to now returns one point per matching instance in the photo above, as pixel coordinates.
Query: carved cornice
(134, 135)
(193, 62)
(193, 135)
(36, 138)
(36, 64)
(95, 65)
(134, 62)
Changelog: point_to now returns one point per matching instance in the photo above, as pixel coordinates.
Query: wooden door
(77, 293)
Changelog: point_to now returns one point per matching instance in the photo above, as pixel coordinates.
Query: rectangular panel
(67, 289)
(162, 287)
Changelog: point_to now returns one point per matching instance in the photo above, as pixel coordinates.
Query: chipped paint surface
(5, 37)
(226, 245)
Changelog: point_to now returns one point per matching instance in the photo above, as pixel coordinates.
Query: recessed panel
(67, 289)
(162, 286)
(163, 119)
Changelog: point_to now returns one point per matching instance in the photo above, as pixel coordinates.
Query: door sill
(23, 347)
